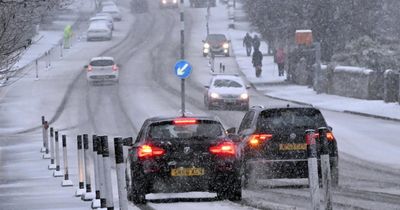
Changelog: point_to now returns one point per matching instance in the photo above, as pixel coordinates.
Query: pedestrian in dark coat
(248, 43)
(256, 43)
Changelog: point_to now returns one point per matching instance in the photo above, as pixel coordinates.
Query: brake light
(329, 136)
(257, 139)
(225, 148)
(89, 68)
(147, 151)
(185, 121)
(115, 67)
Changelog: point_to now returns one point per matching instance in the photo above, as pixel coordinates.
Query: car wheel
(128, 186)
(226, 54)
(335, 176)
(230, 187)
(245, 107)
(138, 193)
(205, 54)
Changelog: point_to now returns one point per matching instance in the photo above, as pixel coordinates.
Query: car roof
(288, 106)
(216, 35)
(229, 77)
(103, 14)
(100, 17)
(102, 58)
(170, 118)
(110, 8)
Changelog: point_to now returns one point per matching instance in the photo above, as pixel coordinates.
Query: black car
(273, 142)
(181, 154)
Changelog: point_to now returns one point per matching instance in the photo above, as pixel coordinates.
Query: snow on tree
(17, 26)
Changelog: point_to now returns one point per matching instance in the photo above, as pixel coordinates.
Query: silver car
(102, 69)
(104, 19)
(113, 11)
(226, 91)
(99, 31)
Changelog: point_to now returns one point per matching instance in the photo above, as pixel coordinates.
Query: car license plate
(187, 172)
(229, 100)
(291, 147)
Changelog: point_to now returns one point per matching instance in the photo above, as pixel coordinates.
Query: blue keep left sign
(183, 69)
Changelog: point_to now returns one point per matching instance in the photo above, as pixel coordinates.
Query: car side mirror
(128, 141)
(85, 66)
(330, 128)
(231, 130)
(206, 86)
(248, 86)
(203, 41)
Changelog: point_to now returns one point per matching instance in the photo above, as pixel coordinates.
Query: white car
(113, 11)
(104, 19)
(99, 31)
(226, 90)
(107, 3)
(169, 3)
(102, 69)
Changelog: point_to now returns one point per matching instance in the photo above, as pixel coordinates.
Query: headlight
(214, 95)
(175, 1)
(225, 45)
(206, 45)
(164, 1)
(244, 96)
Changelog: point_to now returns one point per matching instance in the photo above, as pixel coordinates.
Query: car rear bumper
(104, 77)
(293, 168)
(99, 37)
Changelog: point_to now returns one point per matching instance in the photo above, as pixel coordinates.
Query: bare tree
(17, 21)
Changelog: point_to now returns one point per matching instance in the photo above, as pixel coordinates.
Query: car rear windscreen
(277, 119)
(202, 130)
(102, 63)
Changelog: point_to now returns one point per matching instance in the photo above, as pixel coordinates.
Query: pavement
(271, 85)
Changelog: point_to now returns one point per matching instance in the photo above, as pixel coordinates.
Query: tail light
(115, 67)
(257, 139)
(329, 136)
(225, 148)
(148, 151)
(89, 68)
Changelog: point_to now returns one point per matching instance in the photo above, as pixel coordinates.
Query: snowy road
(148, 87)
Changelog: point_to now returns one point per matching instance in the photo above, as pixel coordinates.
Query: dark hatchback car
(183, 154)
(273, 142)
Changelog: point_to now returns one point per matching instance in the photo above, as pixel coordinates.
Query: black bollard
(57, 172)
(66, 182)
(81, 186)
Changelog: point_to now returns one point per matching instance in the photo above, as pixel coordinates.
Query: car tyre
(138, 193)
(231, 188)
(205, 54)
(227, 55)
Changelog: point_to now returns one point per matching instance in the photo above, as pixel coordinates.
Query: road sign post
(182, 71)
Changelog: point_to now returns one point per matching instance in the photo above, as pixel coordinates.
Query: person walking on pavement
(256, 43)
(67, 36)
(280, 60)
(257, 61)
(247, 42)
